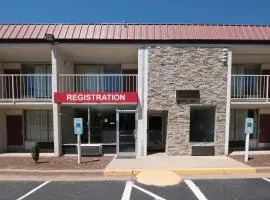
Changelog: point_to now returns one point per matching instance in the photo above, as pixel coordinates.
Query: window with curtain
(86, 83)
(35, 85)
(237, 124)
(243, 86)
(110, 82)
(39, 125)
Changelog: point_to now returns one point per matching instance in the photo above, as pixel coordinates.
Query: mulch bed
(255, 160)
(55, 163)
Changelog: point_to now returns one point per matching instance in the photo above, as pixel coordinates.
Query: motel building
(181, 89)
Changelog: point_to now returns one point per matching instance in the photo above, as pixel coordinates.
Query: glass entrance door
(126, 128)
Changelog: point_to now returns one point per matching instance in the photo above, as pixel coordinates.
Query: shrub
(35, 152)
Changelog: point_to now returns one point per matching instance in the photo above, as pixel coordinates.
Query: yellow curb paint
(129, 172)
(239, 170)
(199, 171)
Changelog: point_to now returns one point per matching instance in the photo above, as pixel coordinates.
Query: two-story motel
(140, 88)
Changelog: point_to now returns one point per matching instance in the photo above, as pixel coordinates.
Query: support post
(228, 105)
(57, 139)
(267, 87)
(247, 147)
(12, 86)
(89, 126)
(141, 141)
(79, 148)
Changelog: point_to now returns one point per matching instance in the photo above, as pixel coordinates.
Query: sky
(136, 11)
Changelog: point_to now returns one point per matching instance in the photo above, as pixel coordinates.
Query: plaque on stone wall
(187, 96)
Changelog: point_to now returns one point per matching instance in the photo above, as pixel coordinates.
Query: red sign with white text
(95, 97)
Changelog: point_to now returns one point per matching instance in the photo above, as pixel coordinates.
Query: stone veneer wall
(174, 68)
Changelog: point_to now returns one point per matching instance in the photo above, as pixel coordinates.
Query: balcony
(250, 88)
(38, 87)
(25, 88)
(97, 83)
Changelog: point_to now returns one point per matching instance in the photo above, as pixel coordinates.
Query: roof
(135, 32)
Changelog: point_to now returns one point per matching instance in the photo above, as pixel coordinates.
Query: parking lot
(236, 189)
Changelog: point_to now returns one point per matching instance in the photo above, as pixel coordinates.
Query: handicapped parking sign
(78, 126)
(249, 125)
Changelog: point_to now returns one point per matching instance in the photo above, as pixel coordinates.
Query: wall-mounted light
(49, 37)
(225, 55)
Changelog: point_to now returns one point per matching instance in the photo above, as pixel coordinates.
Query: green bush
(35, 152)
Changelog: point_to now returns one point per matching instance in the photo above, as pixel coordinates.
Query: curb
(263, 169)
(51, 172)
(130, 172)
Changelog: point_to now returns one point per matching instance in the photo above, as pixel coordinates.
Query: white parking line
(266, 179)
(196, 191)
(127, 191)
(35, 189)
(156, 197)
(130, 185)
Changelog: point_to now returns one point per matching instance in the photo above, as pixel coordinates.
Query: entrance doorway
(126, 131)
(14, 132)
(155, 134)
(264, 136)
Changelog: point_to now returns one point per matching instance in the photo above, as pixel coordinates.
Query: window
(202, 124)
(109, 82)
(37, 85)
(237, 124)
(39, 125)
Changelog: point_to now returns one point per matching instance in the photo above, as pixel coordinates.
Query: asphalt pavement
(235, 189)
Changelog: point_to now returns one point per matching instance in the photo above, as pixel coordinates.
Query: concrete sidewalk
(178, 164)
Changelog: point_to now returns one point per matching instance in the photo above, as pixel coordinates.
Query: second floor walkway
(38, 87)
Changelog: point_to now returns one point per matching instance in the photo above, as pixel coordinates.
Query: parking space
(80, 190)
(246, 189)
(243, 189)
(16, 189)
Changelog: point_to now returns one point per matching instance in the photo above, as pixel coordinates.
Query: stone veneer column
(187, 68)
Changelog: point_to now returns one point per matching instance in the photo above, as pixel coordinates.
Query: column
(228, 106)
(57, 137)
(3, 133)
(142, 104)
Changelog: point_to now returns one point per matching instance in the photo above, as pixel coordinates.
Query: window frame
(47, 126)
(214, 122)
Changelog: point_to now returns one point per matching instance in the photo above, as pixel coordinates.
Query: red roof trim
(143, 32)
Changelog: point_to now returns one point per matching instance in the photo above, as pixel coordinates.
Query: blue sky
(136, 11)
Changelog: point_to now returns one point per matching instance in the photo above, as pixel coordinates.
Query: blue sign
(249, 126)
(78, 126)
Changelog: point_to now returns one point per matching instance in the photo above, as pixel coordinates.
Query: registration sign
(96, 97)
(78, 126)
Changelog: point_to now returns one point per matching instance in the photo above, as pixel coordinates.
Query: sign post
(249, 124)
(78, 130)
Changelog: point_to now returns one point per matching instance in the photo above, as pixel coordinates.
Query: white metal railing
(25, 87)
(97, 83)
(250, 88)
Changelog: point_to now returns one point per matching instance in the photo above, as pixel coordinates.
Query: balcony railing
(97, 83)
(25, 87)
(250, 88)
